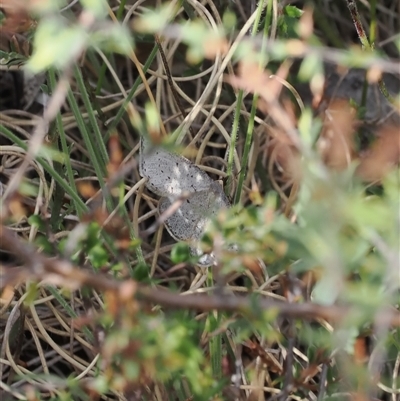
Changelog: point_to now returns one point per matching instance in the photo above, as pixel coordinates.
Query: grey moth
(170, 176)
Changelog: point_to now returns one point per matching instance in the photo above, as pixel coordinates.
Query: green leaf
(152, 118)
(308, 128)
(310, 66)
(98, 256)
(44, 243)
(131, 369)
(292, 11)
(32, 293)
(326, 290)
(28, 188)
(115, 38)
(96, 7)
(288, 22)
(36, 221)
(154, 21)
(55, 45)
(141, 272)
(180, 253)
(46, 6)
(229, 20)
(53, 154)
(11, 58)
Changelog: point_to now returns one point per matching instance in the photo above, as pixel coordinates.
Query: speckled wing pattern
(171, 176)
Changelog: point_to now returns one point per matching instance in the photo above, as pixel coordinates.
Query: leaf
(154, 21)
(327, 290)
(96, 7)
(288, 26)
(292, 11)
(11, 58)
(37, 221)
(98, 256)
(308, 128)
(180, 253)
(55, 45)
(115, 38)
(310, 66)
(46, 6)
(50, 153)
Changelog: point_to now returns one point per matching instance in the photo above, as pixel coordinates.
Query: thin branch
(322, 381)
(297, 49)
(63, 272)
(173, 208)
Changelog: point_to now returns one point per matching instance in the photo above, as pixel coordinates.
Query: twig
(288, 379)
(322, 381)
(63, 272)
(165, 215)
(381, 329)
(297, 49)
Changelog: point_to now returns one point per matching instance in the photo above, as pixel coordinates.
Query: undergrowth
(293, 107)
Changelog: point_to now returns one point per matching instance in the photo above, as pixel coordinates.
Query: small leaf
(309, 127)
(327, 290)
(180, 253)
(229, 20)
(154, 21)
(44, 243)
(55, 45)
(152, 118)
(32, 294)
(141, 272)
(293, 11)
(11, 58)
(98, 256)
(97, 7)
(53, 154)
(115, 38)
(36, 221)
(28, 189)
(310, 66)
(46, 6)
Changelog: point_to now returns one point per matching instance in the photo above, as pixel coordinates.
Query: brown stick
(39, 267)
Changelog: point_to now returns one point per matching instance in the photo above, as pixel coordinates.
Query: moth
(170, 176)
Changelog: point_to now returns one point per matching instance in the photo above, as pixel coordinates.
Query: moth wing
(171, 174)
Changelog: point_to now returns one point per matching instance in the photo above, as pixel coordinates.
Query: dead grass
(48, 336)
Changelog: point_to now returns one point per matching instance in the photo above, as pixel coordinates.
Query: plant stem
(250, 125)
(355, 15)
(368, 44)
(64, 145)
(373, 23)
(80, 205)
(131, 93)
